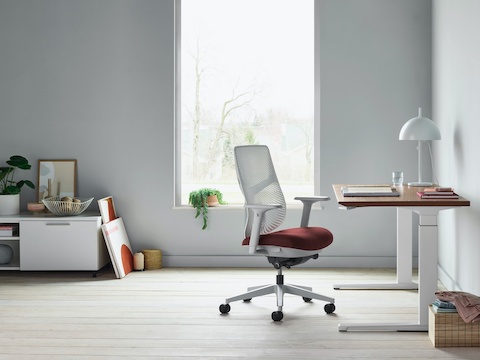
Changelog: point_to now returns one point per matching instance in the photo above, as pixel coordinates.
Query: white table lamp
(421, 129)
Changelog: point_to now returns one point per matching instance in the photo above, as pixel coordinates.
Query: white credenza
(46, 242)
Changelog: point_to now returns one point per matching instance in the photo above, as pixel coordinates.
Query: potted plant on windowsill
(9, 188)
(202, 198)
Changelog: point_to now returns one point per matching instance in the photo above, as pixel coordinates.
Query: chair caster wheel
(277, 315)
(307, 299)
(329, 308)
(224, 308)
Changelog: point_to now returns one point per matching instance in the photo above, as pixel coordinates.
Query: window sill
(228, 207)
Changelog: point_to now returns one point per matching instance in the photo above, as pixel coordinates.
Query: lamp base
(420, 184)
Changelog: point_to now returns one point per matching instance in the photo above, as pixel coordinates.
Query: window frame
(177, 108)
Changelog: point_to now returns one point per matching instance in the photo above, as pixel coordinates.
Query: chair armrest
(312, 199)
(258, 211)
(308, 201)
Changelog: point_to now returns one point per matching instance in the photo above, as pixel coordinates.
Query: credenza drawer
(62, 244)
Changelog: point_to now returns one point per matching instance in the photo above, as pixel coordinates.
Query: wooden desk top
(408, 197)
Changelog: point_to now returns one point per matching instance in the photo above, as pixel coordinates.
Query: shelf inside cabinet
(12, 266)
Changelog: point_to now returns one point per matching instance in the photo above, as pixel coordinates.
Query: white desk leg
(404, 258)
(427, 277)
(404, 249)
(427, 264)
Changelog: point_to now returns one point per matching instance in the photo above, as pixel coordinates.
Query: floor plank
(173, 313)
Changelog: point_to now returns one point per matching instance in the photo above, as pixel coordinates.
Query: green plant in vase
(201, 199)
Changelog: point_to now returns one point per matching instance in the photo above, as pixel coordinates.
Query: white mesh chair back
(259, 184)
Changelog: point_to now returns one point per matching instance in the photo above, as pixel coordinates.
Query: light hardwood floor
(172, 313)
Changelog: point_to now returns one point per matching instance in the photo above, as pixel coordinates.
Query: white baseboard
(261, 261)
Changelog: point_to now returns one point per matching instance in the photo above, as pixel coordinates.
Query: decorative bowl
(66, 208)
(36, 207)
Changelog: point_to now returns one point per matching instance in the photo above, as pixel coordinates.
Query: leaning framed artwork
(107, 209)
(57, 178)
(118, 246)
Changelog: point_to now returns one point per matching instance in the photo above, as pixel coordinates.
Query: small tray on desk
(369, 190)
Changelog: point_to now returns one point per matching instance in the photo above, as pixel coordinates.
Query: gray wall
(94, 80)
(456, 74)
(375, 72)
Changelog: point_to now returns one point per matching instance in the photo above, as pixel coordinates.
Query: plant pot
(212, 200)
(9, 204)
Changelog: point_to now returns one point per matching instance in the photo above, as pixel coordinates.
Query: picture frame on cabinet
(57, 178)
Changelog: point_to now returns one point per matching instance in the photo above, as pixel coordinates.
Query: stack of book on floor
(437, 193)
(440, 306)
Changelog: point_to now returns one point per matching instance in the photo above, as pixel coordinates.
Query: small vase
(9, 204)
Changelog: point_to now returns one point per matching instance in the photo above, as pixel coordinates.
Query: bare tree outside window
(247, 73)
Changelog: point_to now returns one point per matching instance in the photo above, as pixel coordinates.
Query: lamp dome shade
(420, 128)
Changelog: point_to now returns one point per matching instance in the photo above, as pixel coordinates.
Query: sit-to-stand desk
(407, 203)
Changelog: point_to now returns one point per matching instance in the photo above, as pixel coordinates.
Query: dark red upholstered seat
(304, 238)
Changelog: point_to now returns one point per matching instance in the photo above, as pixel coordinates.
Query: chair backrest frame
(259, 184)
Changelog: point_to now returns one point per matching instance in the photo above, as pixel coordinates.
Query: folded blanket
(443, 310)
(468, 305)
(444, 304)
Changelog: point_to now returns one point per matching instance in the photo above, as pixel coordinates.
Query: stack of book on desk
(437, 193)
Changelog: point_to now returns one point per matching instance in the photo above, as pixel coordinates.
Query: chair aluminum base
(280, 290)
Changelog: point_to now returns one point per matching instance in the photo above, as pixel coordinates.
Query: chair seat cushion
(304, 238)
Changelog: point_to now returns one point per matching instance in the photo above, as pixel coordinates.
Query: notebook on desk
(369, 190)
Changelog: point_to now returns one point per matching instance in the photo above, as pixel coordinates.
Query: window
(245, 76)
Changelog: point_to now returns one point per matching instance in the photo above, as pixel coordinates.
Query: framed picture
(107, 209)
(57, 178)
(118, 247)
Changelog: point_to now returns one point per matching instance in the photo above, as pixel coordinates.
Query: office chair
(265, 209)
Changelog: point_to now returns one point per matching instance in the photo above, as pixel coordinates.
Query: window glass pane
(247, 77)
